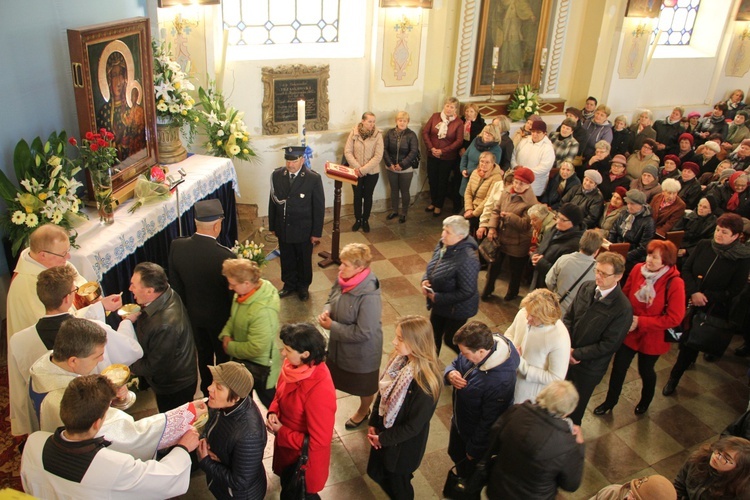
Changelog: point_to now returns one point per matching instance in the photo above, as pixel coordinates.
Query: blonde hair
(356, 253)
(241, 270)
(559, 398)
(503, 123)
(45, 236)
(543, 305)
(473, 106)
(419, 338)
(402, 114)
(494, 132)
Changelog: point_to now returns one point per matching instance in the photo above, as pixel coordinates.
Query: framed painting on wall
(743, 13)
(643, 8)
(518, 29)
(114, 87)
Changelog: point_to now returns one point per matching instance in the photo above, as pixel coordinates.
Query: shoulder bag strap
(577, 281)
(303, 457)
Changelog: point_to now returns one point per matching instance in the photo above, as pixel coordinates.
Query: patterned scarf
(364, 134)
(442, 127)
(646, 292)
(627, 224)
(394, 384)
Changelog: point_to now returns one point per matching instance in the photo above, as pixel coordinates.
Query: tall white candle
(495, 57)
(301, 121)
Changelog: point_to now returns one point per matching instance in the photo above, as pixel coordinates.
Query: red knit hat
(688, 137)
(674, 158)
(524, 174)
(621, 191)
(693, 167)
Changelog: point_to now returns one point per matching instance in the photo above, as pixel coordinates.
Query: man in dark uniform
(195, 274)
(597, 321)
(295, 214)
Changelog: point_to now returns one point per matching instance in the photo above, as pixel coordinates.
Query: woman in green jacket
(249, 336)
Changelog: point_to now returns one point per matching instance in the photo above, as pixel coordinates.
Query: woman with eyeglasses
(717, 471)
(654, 487)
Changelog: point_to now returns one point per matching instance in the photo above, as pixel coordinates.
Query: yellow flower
(184, 112)
(29, 210)
(219, 143)
(18, 217)
(196, 119)
(63, 191)
(42, 196)
(53, 161)
(245, 151)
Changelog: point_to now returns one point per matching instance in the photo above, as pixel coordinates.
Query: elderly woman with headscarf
(511, 227)
(363, 152)
(480, 183)
(642, 130)
(690, 189)
(733, 195)
(635, 226)
(615, 177)
(450, 281)
(698, 224)
(612, 209)
(667, 208)
(565, 180)
(486, 142)
(715, 123)
(647, 182)
(669, 170)
(473, 125)
(443, 137)
(566, 146)
(588, 198)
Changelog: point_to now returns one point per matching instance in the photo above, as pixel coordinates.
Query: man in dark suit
(295, 214)
(597, 320)
(195, 274)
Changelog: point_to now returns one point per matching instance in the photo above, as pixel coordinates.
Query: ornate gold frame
(294, 72)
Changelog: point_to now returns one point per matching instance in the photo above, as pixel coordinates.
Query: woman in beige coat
(511, 227)
(363, 152)
(479, 185)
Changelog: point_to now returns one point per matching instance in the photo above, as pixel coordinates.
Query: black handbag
(488, 249)
(709, 334)
(459, 488)
(293, 485)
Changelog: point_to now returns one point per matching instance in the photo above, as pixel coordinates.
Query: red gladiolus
(89, 136)
(94, 146)
(73, 141)
(102, 143)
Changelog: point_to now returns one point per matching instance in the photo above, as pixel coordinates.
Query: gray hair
(603, 145)
(458, 224)
(648, 113)
(503, 123)
(623, 119)
(671, 186)
(485, 154)
(559, 398)
(682, 110)
(590, 242)
(539, 210)
(453, 100)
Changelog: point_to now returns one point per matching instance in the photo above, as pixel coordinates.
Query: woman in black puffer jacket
(231, 451)
(450, 282)
(401, 156)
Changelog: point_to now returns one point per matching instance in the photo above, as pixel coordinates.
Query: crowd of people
(558, 204)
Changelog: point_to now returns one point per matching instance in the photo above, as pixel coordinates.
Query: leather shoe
(603, 408)
(365, 226)
(392, 215)
(640, 409)
(486, 297)
(709, 357)
(743, 351)
(509, 297)
(670, 387)
(430, 208)
(357, 224)
(351, 424)
(285, 292)
(402, 219)
(303, 295)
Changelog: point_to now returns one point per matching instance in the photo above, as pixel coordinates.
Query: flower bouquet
(173, 103)
(227, 133)
(251, 251)
(98, 155)
(523, 103)
(150, 187)
(46, 191)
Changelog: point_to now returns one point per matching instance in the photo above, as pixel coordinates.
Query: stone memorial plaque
(283, 87)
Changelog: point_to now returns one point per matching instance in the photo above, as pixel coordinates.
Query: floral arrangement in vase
(98, 154)
(171, 85)
(46, 192)
(523, 103)
(151, 186)
(227, 133)
(251, 251)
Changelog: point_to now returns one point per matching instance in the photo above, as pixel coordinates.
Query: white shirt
(537, 156)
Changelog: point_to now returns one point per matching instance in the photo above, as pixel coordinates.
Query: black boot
(357, 225)
(365, 226)
(670, 387)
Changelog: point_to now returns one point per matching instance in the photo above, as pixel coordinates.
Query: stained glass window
(677, 21)
(269, 22)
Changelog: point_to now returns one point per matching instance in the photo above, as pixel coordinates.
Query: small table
(108, 254)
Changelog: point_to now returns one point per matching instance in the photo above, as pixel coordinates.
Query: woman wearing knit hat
(635, 226)
(669, 169)
(642, 157)
(234, 438)
(511, 227)
(666, 207)
(698, 225)
(684, 149)
(654, 487)
(616, 176)
(690, 190)
(708, 159)
(612, 210)
(588, 198)
(648, 182)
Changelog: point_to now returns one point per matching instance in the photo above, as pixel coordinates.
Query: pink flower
(157, 175)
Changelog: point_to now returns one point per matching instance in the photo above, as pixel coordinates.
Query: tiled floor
(619, 446)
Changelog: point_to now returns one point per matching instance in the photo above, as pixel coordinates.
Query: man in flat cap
(295, 214)
(195, 274)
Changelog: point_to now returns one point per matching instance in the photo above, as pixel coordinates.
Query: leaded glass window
(677, 22)
(269, 22)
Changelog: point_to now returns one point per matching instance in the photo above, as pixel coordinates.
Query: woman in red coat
(657, 294)
(443, 136)
(305, 404)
